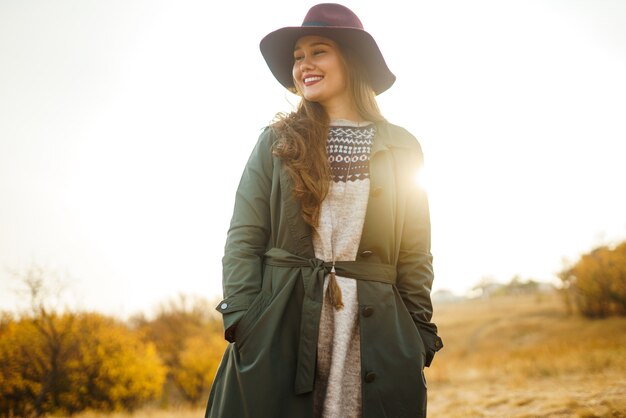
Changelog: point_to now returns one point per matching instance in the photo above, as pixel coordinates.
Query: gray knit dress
(342, 214)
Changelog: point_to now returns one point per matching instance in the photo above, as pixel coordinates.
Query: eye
(298, 57)
(318, 52)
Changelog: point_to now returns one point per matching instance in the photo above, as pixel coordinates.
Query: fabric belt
(313, 271)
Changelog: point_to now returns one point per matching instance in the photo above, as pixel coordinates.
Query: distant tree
(597, 282)
(485, 287)
(35, 350)
(519, 286)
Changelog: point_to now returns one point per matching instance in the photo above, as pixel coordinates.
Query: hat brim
(277, 48)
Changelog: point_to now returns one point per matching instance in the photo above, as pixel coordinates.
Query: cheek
(337, 68)
(295, 73)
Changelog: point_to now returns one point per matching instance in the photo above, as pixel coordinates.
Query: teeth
(311, 79)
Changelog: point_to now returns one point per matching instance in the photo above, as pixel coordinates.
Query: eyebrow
(312, 45)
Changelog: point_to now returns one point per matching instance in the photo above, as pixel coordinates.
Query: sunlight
(422, 179)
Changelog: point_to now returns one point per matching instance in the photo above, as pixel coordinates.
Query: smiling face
(319, 73)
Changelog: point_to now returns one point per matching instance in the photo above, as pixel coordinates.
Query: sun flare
(422, 180)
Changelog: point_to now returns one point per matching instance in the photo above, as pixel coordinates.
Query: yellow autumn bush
(198, 364)
(69, 362)
(597, 282)
(188, 335)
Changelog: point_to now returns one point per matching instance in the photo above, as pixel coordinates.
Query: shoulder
(262, 156)
(265, 142)
(267, 137)
(397, 136)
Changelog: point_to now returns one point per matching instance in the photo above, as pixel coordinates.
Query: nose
(305, 64)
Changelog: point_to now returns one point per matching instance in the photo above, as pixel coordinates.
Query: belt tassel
(333, 293)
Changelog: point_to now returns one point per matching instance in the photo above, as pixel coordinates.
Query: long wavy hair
(302, 134)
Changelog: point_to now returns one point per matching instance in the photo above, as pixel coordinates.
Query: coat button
(368, 311)
(224, 305)
(438, 343)
(229, 334)
(370, 377)
(366, 253)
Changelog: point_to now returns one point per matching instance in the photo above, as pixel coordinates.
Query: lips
(309, 80)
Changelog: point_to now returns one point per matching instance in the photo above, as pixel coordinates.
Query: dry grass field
(523, 356)
(514, 357)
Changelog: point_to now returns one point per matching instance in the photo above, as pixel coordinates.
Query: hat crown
(331, 14)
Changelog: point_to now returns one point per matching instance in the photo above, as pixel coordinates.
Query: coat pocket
(250, 318)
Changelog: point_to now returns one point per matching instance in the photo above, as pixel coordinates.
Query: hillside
(524, 356)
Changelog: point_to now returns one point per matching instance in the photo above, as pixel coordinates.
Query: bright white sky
(125, 125)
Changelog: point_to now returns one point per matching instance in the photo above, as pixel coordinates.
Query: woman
(327, 266)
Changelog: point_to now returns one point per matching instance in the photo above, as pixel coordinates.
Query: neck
(342, 111)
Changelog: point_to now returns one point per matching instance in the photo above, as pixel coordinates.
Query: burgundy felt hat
(332, 21)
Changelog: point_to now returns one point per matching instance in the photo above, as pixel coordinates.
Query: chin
(313, 97)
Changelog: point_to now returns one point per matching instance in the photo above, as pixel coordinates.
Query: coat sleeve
(242, 264)
(415, 268)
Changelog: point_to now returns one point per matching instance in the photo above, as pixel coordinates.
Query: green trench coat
(273, 288)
